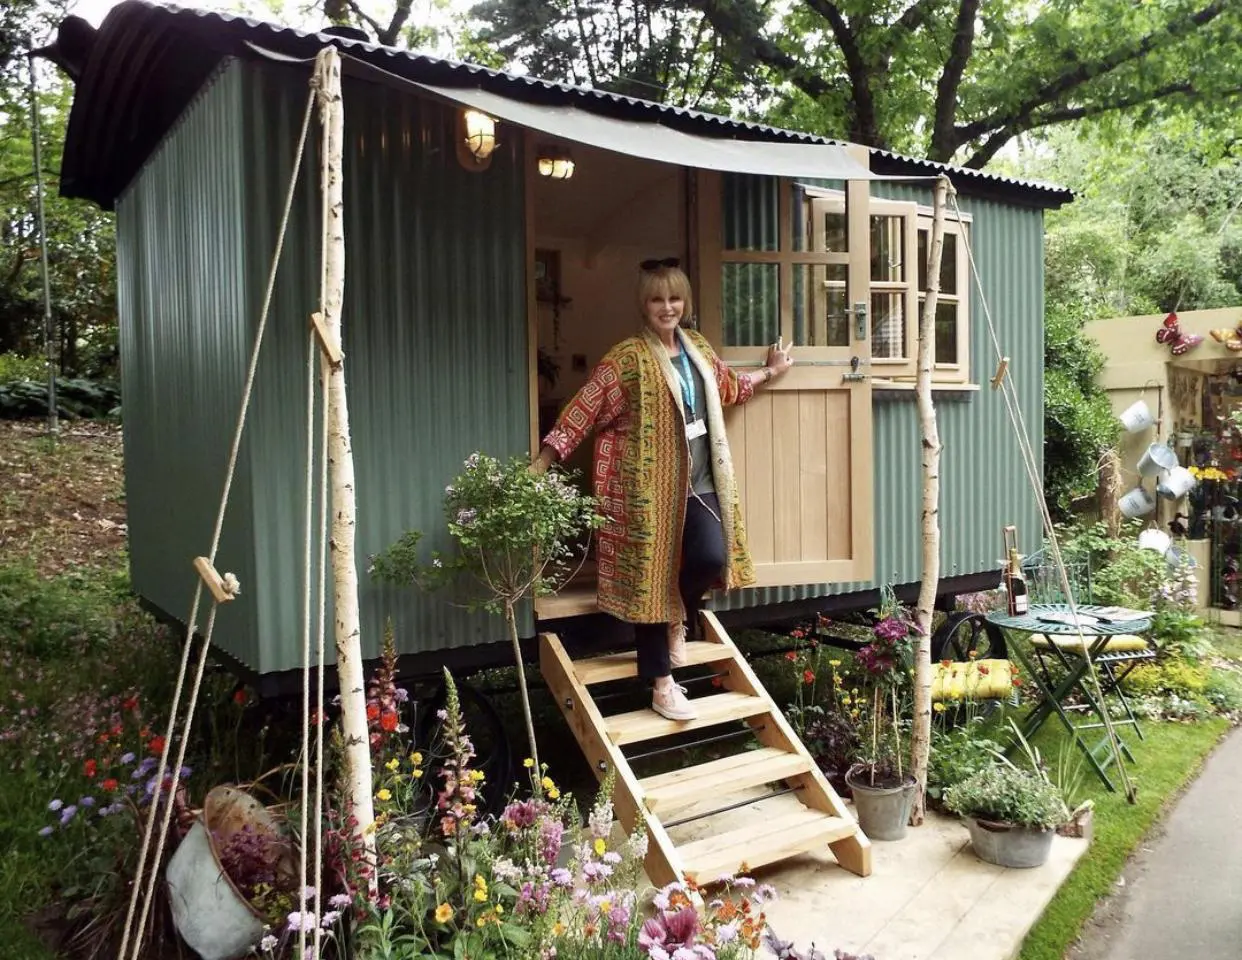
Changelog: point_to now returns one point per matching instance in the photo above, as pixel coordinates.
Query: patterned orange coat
(641, 472)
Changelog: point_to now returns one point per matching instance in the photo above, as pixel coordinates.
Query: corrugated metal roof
(143, 66)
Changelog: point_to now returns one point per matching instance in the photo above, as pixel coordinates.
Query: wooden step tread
(762, 841)
(618, 666)
(679, 788)
(646, 724)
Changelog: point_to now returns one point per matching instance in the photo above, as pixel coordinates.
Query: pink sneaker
(677, 644)
(672, 703)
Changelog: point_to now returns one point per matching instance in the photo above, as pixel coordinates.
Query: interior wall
(602, 223)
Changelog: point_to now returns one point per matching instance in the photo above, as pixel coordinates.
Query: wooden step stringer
(825, 818)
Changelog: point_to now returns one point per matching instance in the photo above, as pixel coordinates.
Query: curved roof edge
(146, 63)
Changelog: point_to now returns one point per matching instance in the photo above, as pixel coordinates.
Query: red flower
(109, 785)
(89, 768)
(797, 634)
(983, 671)
(156, 746)
(129, 703)
(808, 677)
(388, 721)
(1017, 681)
(239, 697)
(373, 712)
(791, 656)
(946, 663)
(316, 717)
(102, 738)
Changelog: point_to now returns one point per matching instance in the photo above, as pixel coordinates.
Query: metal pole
(49, 332)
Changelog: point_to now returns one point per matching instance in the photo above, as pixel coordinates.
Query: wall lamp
(477, 140)
(555, 163)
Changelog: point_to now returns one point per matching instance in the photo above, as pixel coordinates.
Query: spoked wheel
(486, 730)
(968, 636)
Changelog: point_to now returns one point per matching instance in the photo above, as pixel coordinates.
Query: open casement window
(774, 265)
(952, 358)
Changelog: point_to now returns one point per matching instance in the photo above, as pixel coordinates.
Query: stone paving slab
(928, 897)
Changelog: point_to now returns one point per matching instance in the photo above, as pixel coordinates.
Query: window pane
(821, 305)
(946, 331)
(750, 304)
(948, 262)
(888, 326)
(888, 248)
(817, 228)
(750, 212)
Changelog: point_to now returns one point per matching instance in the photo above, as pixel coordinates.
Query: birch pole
(340, 455)
(920, 739)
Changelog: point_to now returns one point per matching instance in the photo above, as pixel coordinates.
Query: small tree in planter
(515, 532)
(882, 784)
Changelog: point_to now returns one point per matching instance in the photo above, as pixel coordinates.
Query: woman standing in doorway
(663, 476)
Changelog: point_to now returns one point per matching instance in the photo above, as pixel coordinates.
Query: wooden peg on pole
(998, 377)
(330, 346)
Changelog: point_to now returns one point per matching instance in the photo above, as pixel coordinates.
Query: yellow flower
(444, 913)
(499, 909)
(834, 663)
(554, 794)
(469, 807)
(846, 701)
(600, 849)
(548, 784)
(558, 929)
(476, 776)
(393, 764)
(416, 759)
(416, 774)
(482, 921)
(528, 763)
(938, 707)
(384, 795)
(480, 896)
(479, 882)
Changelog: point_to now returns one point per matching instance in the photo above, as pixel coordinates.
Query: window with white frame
(900, 236)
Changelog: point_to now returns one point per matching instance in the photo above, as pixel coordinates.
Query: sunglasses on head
(657, 264)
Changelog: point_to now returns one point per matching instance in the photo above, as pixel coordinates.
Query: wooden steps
(751, 768)
(719, 803)
(765, 840)
(621, 666)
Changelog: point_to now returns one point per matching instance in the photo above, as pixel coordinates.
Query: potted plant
(1012, 814)
(881, 783)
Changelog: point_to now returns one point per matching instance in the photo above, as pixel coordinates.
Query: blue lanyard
(687, 385)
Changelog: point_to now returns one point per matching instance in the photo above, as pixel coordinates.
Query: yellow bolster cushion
(974, 680)
(1122, 643)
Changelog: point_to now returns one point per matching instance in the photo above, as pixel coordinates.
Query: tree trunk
(920, 740)
(511, 623)
(341, 469)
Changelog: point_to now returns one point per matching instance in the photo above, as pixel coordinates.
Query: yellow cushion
(1122, 643)
(973, 680)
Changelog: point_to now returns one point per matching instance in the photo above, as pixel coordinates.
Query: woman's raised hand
(779, 359)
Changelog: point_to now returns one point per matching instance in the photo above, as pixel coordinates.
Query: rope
(140, 873)
(308, 546)
(1014, 407)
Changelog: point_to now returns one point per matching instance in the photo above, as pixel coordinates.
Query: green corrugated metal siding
(983, 485)
(435, 342)
(184, 340)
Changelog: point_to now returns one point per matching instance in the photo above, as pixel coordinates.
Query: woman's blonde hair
(664, 282)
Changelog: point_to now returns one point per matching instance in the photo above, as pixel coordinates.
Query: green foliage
(14, 366)
(1008, 795)
(515, 531)
(1181, 677)
(52, 618)
(1122, 572)
(957, 754)
(1224, 690)
(89, 399)
(1079, 424)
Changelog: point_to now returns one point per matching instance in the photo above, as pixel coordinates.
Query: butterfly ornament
(1232, 339)
(1170, 332)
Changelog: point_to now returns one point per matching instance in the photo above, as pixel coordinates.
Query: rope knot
(232, 585)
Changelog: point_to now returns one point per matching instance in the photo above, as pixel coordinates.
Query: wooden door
(775, 260)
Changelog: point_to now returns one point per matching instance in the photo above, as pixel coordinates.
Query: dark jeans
(702, 562)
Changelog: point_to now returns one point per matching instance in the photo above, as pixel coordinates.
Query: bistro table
(1099, 626)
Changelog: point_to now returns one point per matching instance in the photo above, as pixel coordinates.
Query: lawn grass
(1166, 761)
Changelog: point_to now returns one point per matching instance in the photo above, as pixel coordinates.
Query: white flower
(268, 943)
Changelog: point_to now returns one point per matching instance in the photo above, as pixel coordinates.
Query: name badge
(696, 429)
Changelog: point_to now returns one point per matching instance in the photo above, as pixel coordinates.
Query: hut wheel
(964, 634)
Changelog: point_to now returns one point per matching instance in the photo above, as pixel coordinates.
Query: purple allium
(55, 805)
(67, 814)
(47, 831)
(562, 877)
(127, 758)
(86, 802)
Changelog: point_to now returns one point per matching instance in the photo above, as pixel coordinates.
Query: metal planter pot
(883, 812)
(1009, 844)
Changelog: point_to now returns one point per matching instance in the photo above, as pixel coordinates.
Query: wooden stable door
(802, 447)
